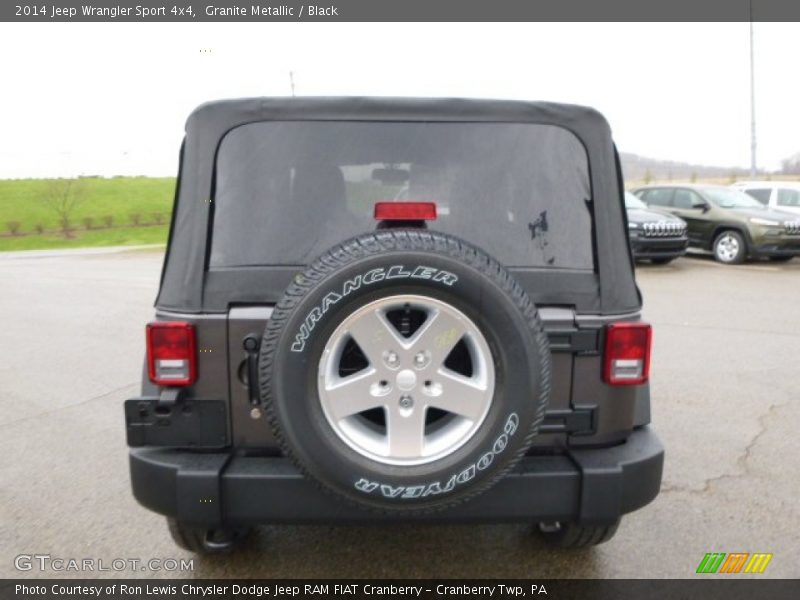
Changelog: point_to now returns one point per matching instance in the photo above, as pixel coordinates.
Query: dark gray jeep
(394, 309)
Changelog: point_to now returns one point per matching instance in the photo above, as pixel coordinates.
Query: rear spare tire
(405, 371)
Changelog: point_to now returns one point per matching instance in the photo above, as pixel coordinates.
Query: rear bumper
(587, 485)
(659, 247)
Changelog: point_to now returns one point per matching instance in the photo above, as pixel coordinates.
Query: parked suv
(728, 222)
(654, 234)
(779, 195)
(324, 351)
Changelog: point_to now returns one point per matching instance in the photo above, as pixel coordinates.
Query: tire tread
(578, 535)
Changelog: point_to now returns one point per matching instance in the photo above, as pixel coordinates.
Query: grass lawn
(119, 199)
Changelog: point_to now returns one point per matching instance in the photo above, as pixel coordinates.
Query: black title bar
(710, 587)
(402, 10)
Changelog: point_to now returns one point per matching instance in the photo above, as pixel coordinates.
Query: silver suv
(778, 195)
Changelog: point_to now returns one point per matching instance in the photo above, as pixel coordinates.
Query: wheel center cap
(406, 380)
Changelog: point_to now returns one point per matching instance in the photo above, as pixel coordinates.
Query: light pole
(753, 163)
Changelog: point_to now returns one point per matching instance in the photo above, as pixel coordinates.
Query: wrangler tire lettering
(351, 285)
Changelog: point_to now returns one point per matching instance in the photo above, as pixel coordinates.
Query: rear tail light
(627, 353)
(405, 211)
(171, 353)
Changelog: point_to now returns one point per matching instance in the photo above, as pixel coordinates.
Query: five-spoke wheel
(406, 379)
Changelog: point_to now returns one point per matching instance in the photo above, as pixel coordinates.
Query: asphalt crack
(741, 460)
(63, 408)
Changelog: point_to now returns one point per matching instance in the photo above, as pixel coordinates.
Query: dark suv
(727, 222)
(654, 234)
(384, 310)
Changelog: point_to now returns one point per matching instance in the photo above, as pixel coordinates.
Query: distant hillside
(642, 168)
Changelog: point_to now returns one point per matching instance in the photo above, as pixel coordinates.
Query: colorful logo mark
(735, 562)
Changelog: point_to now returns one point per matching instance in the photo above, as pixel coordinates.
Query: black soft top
(188, 286)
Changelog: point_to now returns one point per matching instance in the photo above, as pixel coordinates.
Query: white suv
(779, 195)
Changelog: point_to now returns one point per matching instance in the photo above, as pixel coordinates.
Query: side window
(789, 197)
(658, 197)
(761, 194)
(687, 199)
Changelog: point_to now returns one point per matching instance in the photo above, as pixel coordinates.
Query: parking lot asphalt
(726, 403)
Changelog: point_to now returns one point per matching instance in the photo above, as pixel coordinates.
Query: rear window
(789, 197)
(657, 196)
(760, 194)
(286, 191)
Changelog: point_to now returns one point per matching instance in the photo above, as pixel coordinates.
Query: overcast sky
(82, 98)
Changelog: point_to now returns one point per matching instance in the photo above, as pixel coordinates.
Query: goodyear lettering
(414, 491)
(366, 486)
(392, 492)
(435, 488)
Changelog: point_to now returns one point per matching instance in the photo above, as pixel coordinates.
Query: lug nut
(406, 402)
(380, 388)
(420, 360)
(392, 359)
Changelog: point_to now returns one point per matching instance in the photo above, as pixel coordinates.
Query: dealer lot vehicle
(728, 222)
(778, 195)
(654, 234)
(325, 351)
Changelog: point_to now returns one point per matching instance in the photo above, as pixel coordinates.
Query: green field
(122, 200)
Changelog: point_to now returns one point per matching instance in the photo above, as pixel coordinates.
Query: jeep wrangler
(379, 309)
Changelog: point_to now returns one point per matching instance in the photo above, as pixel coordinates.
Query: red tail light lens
(405, 211)
(627, 353)
(171, 353)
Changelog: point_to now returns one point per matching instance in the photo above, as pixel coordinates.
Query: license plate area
(184, 424)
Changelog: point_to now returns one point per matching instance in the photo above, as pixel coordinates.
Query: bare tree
(63, 196)
(791, 165)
